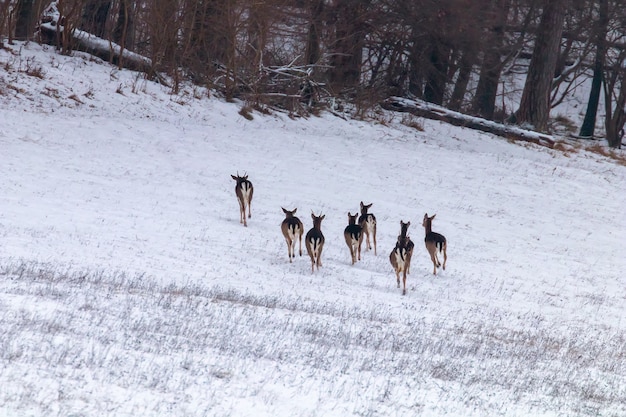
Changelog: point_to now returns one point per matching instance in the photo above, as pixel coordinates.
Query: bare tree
(163, 26)
(124, 31)
(492, 62)
(25, 12)
(601, 27)
(615, 101)
(313, 47)
(94, 17)
(350, 28)
(535, 102)
(615, 79)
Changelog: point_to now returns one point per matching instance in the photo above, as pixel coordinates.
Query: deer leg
(434, 260)
(242, 213)
(445, 258)
(319, 257)
(374, 237)
(404, 283)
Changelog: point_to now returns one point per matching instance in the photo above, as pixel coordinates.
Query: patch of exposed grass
(246, 113)
(616, 155)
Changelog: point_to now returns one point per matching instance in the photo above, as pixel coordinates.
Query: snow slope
(128, 286)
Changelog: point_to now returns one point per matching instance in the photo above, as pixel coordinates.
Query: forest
(305, 55)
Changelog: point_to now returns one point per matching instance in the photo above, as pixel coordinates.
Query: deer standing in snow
(353, 233)
(292, 230)
(400, 256)
(435, 243)
(367, 221)
(244, 191)
(314, 241)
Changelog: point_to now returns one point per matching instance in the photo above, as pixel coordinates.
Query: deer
(244, 191)
(314, 241)
(292, 230)
(435, 243)
(400, 256)
(353, 233)
(367, 221)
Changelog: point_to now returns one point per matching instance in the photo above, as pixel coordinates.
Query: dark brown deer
(353, 233)
(314, 241)
(435, 243)
(292, 230)
(400, 256)
(244, 191)
(367, 221)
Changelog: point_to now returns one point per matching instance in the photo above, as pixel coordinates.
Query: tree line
(298, 54)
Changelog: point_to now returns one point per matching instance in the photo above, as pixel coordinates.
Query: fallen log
(434, 112)
(51, 30)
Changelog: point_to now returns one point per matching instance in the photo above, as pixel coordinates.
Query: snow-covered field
(128, 286)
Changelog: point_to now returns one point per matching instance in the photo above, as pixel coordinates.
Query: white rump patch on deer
(245, 192)
(294, 232)
(315, 246)
(369, 224)
(400, 254)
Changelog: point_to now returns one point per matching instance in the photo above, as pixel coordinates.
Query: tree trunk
(415, 73)
(347, 57)
(315, 28)
(615, 120)
(437, 79)
(25, 22)
(535, 103)
(257, 31)
(434, 112)
(589, 123)
(125, 25)
(460, 87)
(95, 15)
(484, 103)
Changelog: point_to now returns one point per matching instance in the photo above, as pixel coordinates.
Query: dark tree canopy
(456, 53)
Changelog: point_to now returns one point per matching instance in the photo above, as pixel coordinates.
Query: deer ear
(235, 178)
(284, 211)
(294, 210)
(408, 224)
(323, 217)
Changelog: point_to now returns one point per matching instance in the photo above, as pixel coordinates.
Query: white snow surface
(128, 286)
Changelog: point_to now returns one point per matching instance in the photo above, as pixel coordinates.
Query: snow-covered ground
(128, 286)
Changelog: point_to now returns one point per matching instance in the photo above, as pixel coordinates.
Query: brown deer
(353, 233)
(367, 221)
(292, 230)
(434, 243)
(244, 191)
(314, 241)
(400, 256)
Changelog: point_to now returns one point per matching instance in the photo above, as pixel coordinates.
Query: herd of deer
(358, 226)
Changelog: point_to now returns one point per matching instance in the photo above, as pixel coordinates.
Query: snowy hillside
(128, 286)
